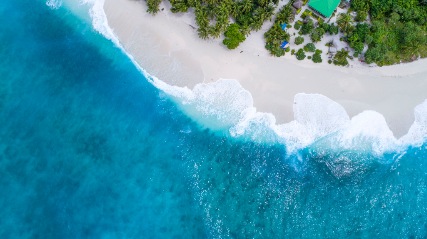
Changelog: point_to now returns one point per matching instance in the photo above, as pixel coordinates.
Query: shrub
(287, 49)
(285, 14)
(299, 40)
(153, 6)
(340, 58)
(274, 38)
(318, 51)
(358, 47)
(298, 25)
(333, 30)
(300, 54)
(317, 34)
(361, 16)
(307, 27)
(317, 58)
(329, 61)
(309, 57)
(310, 47)
(233, 36)
(324, 26)
(293, 52)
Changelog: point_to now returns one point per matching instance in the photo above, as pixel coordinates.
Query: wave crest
(54, 4)
(319, 122)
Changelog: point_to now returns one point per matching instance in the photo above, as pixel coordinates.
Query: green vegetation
(307, 27)
(276, 35)
(317, 58)
(361, 16)
(299, 40)
(306, 14)
(317, 34)
(274, 38)
(285, 15)
(345, 22)
(309, 47)
(233, 36)
(153, 6)
(298, 25)
(398, 31)
(340, 58)
(213, 16)
(300, 54)
(333, 29)
(358, 37)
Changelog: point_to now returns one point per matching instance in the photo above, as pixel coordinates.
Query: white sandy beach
(167, 46)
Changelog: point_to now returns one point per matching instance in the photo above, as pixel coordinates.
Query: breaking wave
(319, 123)
(54, 4)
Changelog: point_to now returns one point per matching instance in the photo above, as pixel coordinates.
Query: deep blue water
(90, 149)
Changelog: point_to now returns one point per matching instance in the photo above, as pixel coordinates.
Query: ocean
(92, 146)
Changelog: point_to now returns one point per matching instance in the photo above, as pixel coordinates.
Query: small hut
(283, 26)
(297, 4)
(284, 45)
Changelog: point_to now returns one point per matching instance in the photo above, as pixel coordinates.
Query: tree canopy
(233, 36)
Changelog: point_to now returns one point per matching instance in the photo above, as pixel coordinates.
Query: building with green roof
(324, 7)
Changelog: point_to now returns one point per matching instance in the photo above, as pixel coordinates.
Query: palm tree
(201, 17)
(262, 3)
(202, 21)
(340, 58)
(246, 6)
(233, 8)
(269, 12)
(344, 22)
(203, 33)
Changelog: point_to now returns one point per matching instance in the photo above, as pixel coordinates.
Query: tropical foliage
(275, 36)
(309, 47)
(340, 58)
(213, 16)
(300, 54)
(233, 36)
(344, 22)
(317, 58)
(307, 27)
(153, 6)
(398, 31)
(299, 40)
(317, 34)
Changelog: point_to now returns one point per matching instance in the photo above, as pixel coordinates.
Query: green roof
(324, 7)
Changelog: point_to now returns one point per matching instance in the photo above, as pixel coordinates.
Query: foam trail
(417, 133)
(315, 116)
(226, 106)
(54, 4)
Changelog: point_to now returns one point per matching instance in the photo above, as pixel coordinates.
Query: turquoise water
(90, 149)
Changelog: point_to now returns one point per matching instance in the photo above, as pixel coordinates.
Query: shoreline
(168, 41)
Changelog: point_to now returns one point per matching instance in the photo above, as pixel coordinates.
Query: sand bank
(167, 46)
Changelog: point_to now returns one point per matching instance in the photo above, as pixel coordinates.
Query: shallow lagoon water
(90, 149)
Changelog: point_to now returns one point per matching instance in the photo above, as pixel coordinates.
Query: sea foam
(226, 106)
(54, 4)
